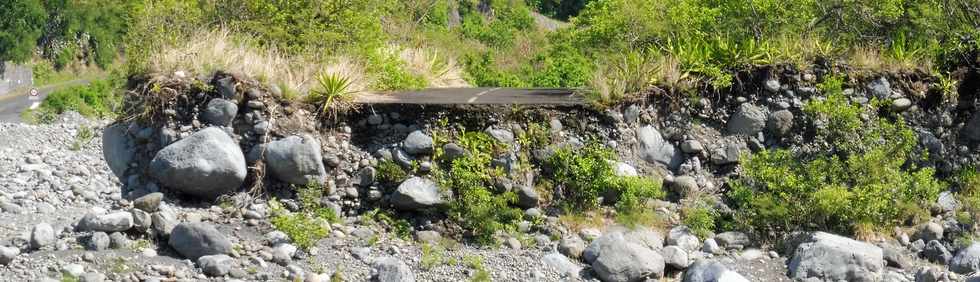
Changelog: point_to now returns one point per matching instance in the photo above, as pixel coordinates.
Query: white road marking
(471, 100)
(35, 105)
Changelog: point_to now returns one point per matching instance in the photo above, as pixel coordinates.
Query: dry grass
(439, 70)
(872, 59)
(217, 50)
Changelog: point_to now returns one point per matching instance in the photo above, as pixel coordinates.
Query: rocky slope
(190, 185)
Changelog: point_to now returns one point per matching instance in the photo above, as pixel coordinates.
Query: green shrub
(303, 228)
(390, 72)
(700, 218)
(390, 174)
(968, 194)
(476, 207)
(561, 66)
(586, 174)
(98, 99)
(21, 24)
(481, 71)
(869, 183)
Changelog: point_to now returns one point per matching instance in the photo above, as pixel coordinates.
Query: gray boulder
(682, 237)
(149, 202)
(8, 254)
(502, 135)
(296, 160)
(747, 120)
(620, 260)
(220, 112)
(780, 122)
(830, 257)
(98, 241)
(654, 149)
(966, 260)
(527, 197)
(196, 239)
(113, 222)
(929, 231)
(733, 239)
(936, 252)
(676, 257)
(215, 265)
(205, 164)
(711, 271)
(571, 246)
(417, 193)
(42, 235)
(880, 88)
(389, 269)
(417, 143)
(562, 264)
(118, 148)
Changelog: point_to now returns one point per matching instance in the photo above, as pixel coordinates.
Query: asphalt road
(476, 96)
(12, 106)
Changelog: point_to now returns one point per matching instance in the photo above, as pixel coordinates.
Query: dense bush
(584, 175)
(476, 206)
(98, 99)
(21, 23)
(866, 181)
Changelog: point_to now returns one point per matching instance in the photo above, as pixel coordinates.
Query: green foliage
(99, 25)
(700, 218)
(432, 255)
(561, 66)
(98, 99)
(390, 174)
(302, 228)
(561, 9)
(509, 18)
(333, 93)
(399, 226)
(83, 137)
(480, 273)
(391, 72)
(586, 174)
(865, 184)
(968, 194)
(305, 26)
(21, 24)
(476, 207)
(308, 225)
(480, 71)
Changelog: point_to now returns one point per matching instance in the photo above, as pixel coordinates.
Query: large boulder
(296, 160)
(417, 193)
(113, 222)
(417, 143)
(389, 269)
(196, 239)
(220, 112)
(620, 260)
(117, 148)
(711, 271)
(747, 120)
(966, 260)
(206, 164)
(829, 257)
(654, 149)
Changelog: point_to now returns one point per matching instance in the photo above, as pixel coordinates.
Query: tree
(21, 23)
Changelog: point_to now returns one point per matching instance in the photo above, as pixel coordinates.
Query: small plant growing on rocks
(83, 137)
(699, 217)
(389, 173)
(333, 94)
(308, 225)
(586, 174)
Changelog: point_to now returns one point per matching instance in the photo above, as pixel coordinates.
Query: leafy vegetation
(98, 99)
(865, 182)
(586, 174)
(476, 207)
(308, 225)
(968, 196)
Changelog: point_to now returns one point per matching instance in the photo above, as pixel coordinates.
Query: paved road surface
(476, 96)
(12, 106)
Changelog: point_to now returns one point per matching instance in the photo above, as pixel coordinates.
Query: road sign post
(34, 94)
